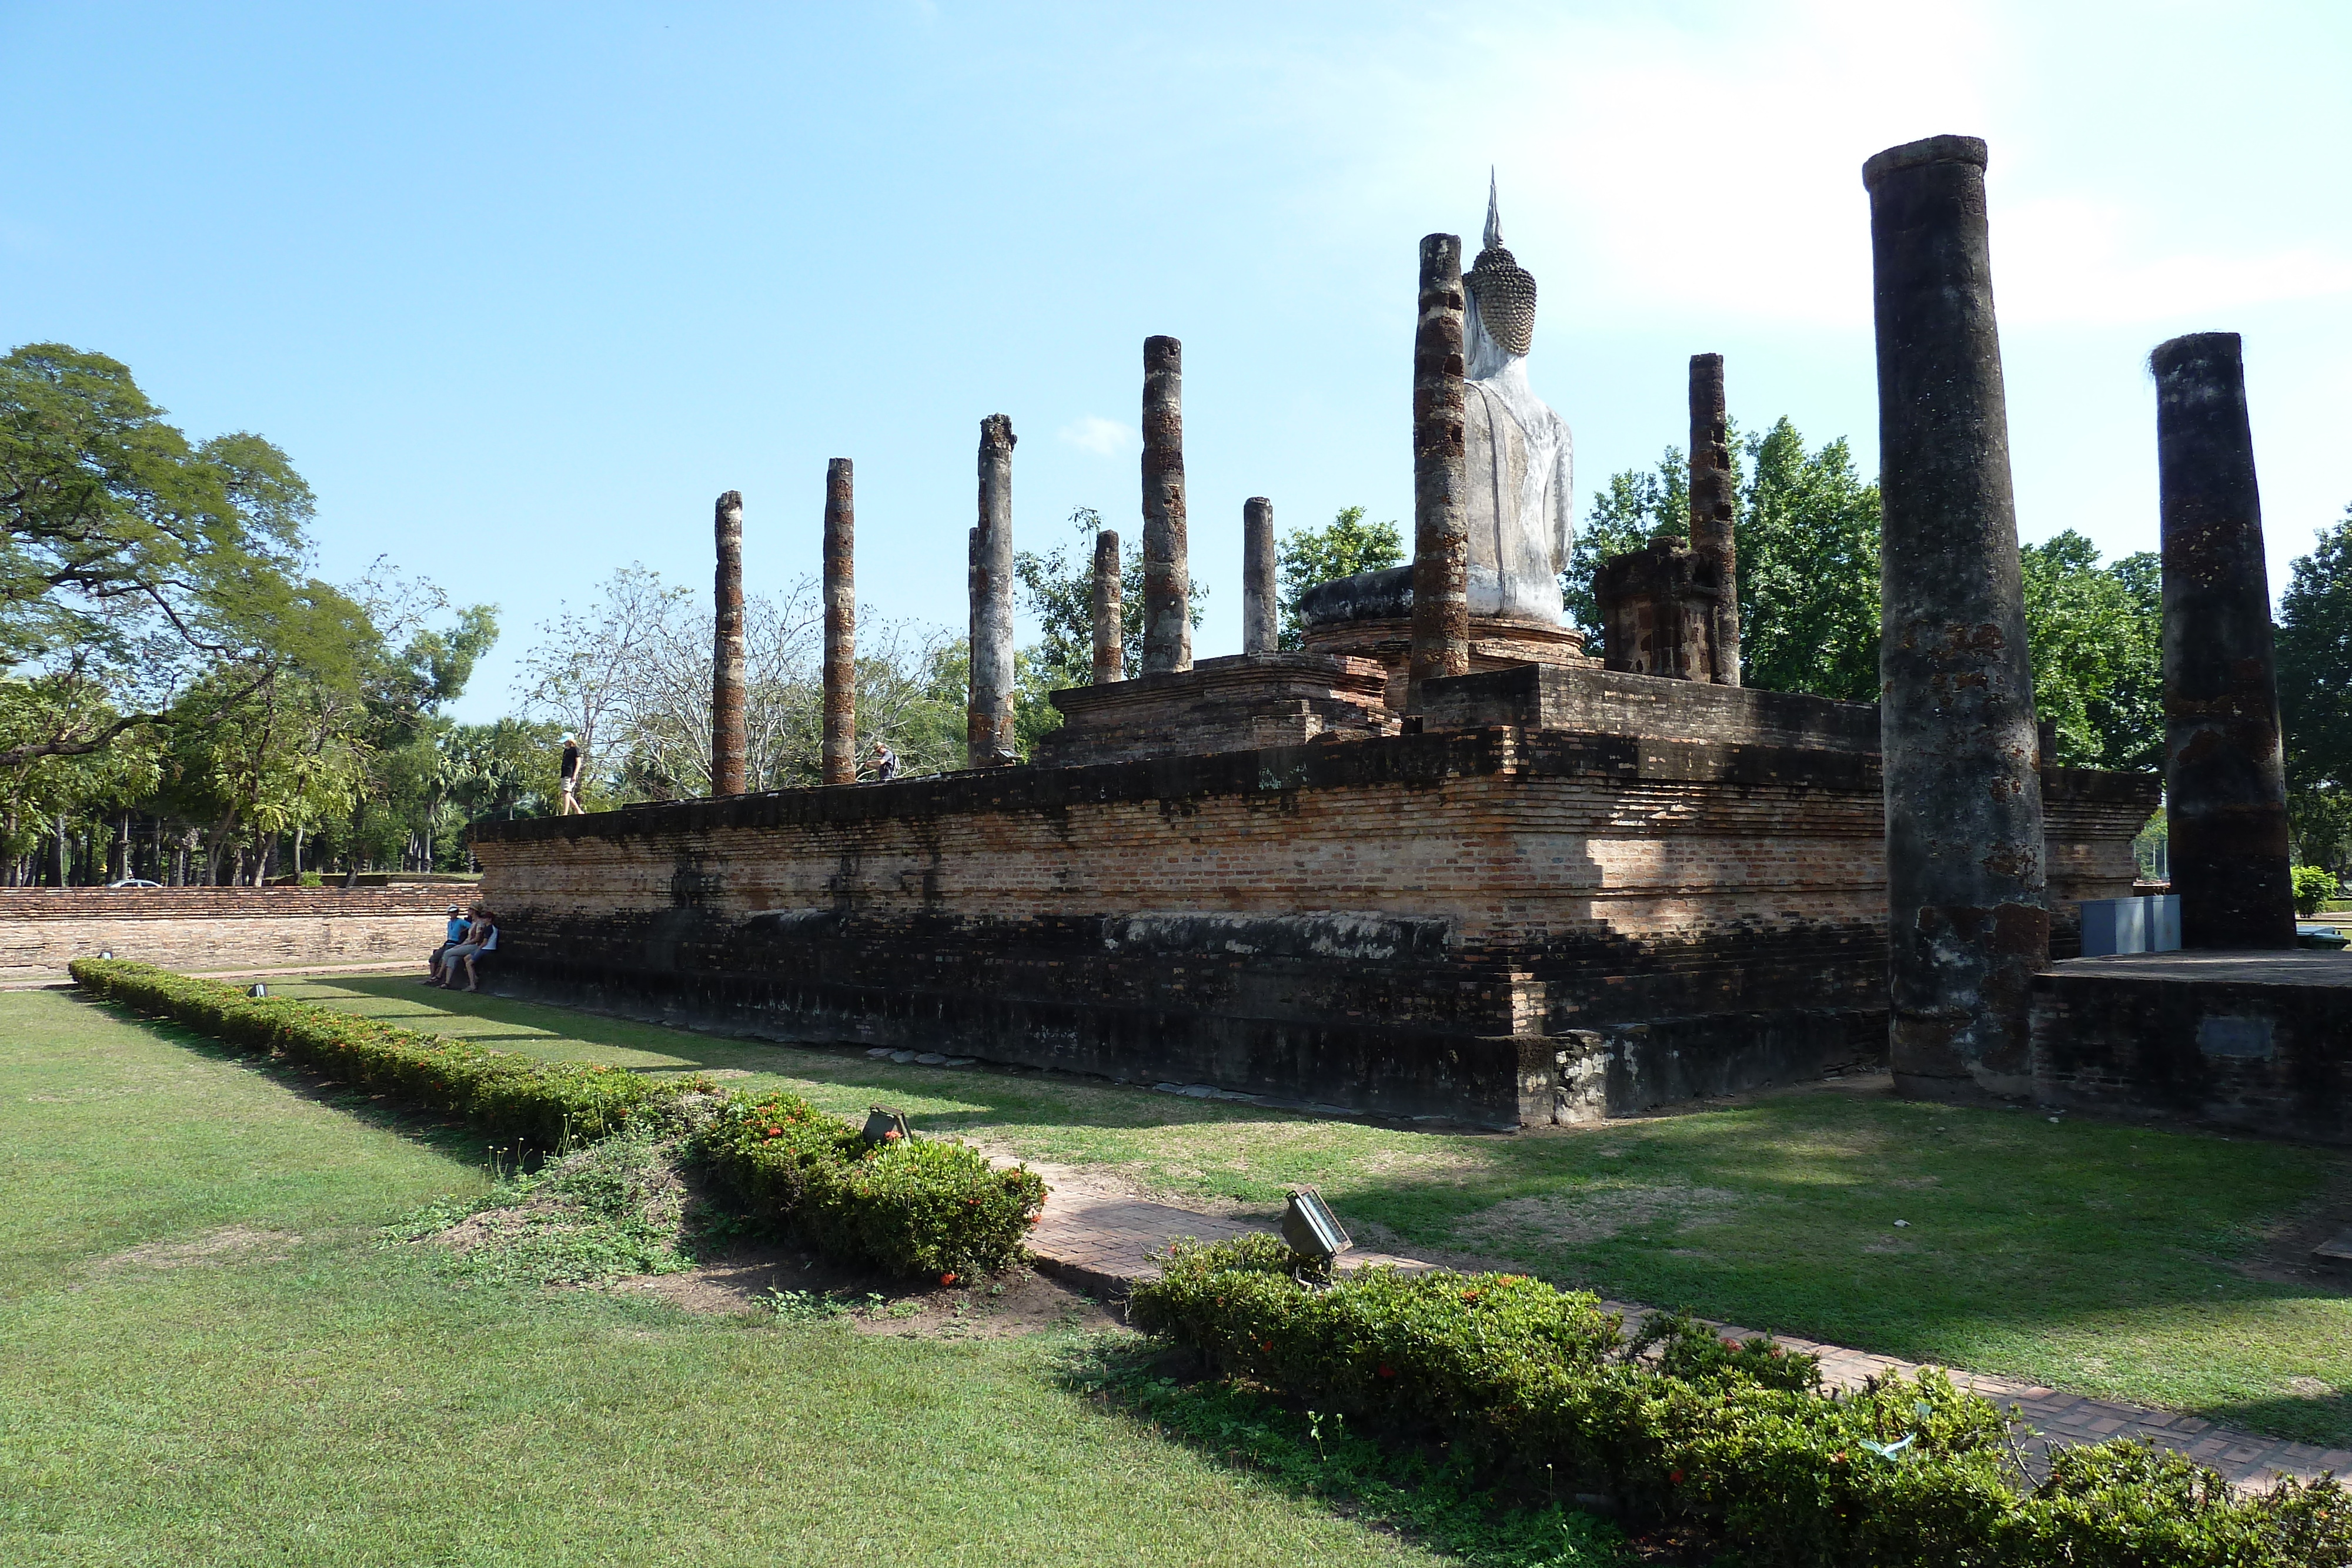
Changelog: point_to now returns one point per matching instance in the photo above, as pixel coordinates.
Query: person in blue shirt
(481, 937)
(449, 938)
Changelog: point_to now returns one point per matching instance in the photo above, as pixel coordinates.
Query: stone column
(1167, 578)
(1111, 635)
(1968, 910)
(1260, 598)
(1711, 512)
(840, 624)
(726, 742)
(1441, 536)
(988, 718)
(2224, 774)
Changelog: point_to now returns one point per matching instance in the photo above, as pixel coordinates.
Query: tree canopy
(1806, 530)
(2314, 680)
(1344, 547)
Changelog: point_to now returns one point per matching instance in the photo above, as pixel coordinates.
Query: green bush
(2313, 885)
(544, 1104)
(929, 1206)
(1738, 1440)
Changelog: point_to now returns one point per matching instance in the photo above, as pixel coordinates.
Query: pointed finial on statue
(1494, 217)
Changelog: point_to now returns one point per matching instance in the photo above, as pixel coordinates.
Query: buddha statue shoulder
(1520, 459)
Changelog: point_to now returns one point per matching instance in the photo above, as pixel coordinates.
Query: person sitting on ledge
(481, 937)
(449, 938)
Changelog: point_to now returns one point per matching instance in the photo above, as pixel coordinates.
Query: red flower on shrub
(1674, 1477)
(1387, 1371)
(947, 1279)
(892, 1136)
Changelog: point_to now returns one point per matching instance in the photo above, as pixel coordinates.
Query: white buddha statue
(1521, 459)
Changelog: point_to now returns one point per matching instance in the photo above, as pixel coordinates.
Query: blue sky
(521, 288)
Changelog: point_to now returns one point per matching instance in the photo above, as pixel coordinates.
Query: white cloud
(1103, 437)
(2069, 261)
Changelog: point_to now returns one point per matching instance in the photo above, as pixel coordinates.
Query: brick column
(727, 740)
(1167, 576)
(988, 716)
(1260, 597)
(1111, 636)
(1441, 537)
(840, 623)
(2224, 773)
(1968, 911)
(1711, 513)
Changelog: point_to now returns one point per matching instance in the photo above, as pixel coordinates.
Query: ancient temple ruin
(1438, 862)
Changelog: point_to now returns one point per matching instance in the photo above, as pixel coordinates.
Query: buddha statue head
(1502, 303)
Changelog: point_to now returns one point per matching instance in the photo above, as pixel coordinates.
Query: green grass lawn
(212, 1357)
(2096, 1257)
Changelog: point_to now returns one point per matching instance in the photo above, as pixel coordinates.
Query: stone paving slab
(1107, 1244)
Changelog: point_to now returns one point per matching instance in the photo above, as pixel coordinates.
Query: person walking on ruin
(885, 763)
(570, 781)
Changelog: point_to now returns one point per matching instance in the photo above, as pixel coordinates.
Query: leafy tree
(1344, 547)
(1636, 508)
(1059, 589)
(2098, 668)
(2314, 679)
(128, 554)
(1806, 528)
(2314, 660)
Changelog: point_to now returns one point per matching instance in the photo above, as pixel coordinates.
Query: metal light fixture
(1312, 1231)
(257, 989)
(887, 1127)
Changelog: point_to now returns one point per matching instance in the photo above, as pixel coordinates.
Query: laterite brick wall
(1412, 924)
(42, 929)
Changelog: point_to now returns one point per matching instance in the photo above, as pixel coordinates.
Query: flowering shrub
(1739, 1439)
(542, 1102)
(927, 1207)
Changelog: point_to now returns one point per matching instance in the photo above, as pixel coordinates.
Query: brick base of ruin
(1500, 923)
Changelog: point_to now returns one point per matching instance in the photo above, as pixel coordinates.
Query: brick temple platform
(2260, 1042)
(1577, 893)
(1105, 1243)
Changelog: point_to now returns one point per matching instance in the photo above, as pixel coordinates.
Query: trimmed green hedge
(928, 1208)
(923, 1208)
(542, 1102)
(1740, 1440)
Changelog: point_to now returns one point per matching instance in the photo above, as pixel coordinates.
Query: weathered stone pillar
(1167, 577)
(1441, 537)
(2224, 773)
(1968, 907)
(1260, 597)
(1111, 635)
(840, 623)
(727, 740)
(1711, 512)
(988, 718)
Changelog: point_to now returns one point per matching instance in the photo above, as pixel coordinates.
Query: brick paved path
(1105, 1242)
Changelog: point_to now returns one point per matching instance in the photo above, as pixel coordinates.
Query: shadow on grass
(1419, 1493)
(455, 1139)
(994, 1095)
(2026, 1245)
